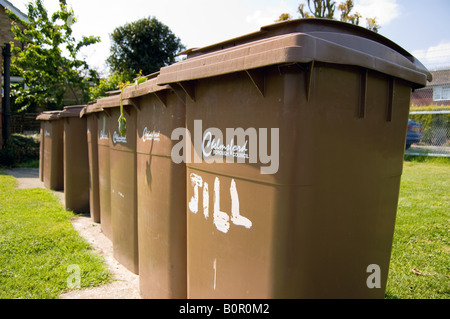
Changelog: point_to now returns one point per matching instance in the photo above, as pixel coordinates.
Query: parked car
(414, 133)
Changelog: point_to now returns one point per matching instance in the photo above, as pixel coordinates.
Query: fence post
(6, 127)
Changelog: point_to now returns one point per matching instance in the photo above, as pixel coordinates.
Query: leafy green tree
(47, 60)
(146, 45)
(111, 83)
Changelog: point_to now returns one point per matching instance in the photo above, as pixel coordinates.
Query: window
(441, 93)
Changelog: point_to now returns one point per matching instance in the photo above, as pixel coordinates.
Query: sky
(420, 27)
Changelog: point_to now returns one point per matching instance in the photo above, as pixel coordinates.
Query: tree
(322, 9)
(146, 45)
(326, 9)
(47, 61)
(104, 85)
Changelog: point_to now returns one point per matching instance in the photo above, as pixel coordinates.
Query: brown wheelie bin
(297, 135)
(52, 153)
(92, 142)
(96, 113)
(76, 160)
(161, 190)
(123, 194)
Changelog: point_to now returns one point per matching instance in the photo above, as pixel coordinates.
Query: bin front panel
(41, 152)
(104, 179)
(124, 209)
(327, 214)
(54, 155)
(162, 227)
(161, 199)
(94, 197)
(123, 190)
(76, 165)
(230, 236)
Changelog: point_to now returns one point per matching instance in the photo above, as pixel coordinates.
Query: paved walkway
(29, 178)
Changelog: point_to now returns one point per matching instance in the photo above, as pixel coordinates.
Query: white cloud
(269, 15)
(435, 57)
(383, 10)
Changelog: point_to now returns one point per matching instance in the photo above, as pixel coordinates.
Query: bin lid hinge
(189, 88)
(258, 78)
(179, 92)
(128, 107)
(107, 112)
(134, 102)
(162, 97)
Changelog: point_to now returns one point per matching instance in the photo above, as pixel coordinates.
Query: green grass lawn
(420, 260)
(41, 255)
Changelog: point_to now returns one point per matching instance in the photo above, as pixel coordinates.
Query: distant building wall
(436, 93)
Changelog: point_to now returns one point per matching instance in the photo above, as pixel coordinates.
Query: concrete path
(29, 178)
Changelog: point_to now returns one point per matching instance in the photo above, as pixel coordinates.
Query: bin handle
(189, 88)
(162, 97)
(309, 74)
(390, 104)
(363, 94)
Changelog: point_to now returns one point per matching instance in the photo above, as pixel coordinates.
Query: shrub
(21, 149)
(8, 156)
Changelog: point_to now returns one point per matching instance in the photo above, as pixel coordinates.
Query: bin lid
(91, 107)
(48, 116)
(71, 111)
(299, 41)
(111, 102)
(147, 87)
(129, 94)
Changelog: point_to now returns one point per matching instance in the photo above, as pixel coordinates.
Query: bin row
(265, 166)
(64, 163)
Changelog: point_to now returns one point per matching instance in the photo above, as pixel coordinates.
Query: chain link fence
(429, 125)
(433, 132)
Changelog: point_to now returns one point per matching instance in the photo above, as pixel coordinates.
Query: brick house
(6, 36)
(436, 92)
